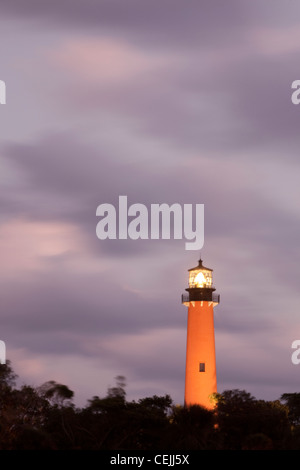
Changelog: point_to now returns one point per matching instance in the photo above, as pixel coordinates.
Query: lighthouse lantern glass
(200, 278)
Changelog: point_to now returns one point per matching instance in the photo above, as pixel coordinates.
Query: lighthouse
(200, 374)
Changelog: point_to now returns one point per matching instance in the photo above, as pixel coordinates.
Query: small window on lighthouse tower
(202, 367)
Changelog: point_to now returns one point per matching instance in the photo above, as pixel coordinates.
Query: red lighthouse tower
(200, 375)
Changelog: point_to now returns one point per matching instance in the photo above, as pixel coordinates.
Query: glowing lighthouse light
(200, 277)
(201, 377)
(200, 280)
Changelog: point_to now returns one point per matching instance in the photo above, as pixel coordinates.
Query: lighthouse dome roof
(200, 266)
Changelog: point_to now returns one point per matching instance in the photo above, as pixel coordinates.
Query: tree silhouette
(292, 401)
(46, 418)
(241, 416)
(57, 394)
(193, 427)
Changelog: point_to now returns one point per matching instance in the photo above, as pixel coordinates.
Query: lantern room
(200, 285)
(200, 276)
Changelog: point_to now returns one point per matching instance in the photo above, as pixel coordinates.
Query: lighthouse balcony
(201, 296)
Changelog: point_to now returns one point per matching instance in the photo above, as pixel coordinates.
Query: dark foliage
(46, 418)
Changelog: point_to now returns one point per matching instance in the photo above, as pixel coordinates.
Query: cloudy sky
(162, 101)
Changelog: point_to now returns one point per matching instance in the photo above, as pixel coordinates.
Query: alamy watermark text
(295, 356)
(161, 221)
(2, 92)
(2, 352)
